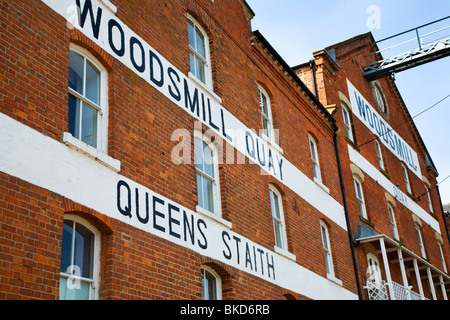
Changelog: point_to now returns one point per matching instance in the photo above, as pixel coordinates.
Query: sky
(297, 28)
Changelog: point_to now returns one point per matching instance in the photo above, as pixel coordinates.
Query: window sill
(109, 5)
(213, 216)
(91, 152)
(320, 184)
(285, 253)
(208, 90)
(334, 279)
(272, 143)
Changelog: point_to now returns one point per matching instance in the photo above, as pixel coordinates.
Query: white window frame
(393, 221)
(444, 265)
(218, 283)
(373, 270)
(94, 282)
(380, 99)
(360, 197)
(347, 122)
(208, 84)
(420, 241)
(273, 191)
(406, 178)
(215, 180)
(430, 204)
(326, 244)
(102, 107)
(266, 117)
(314, 152)
(379, 155)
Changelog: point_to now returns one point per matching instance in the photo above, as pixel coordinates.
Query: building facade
(164, 150)
(399, 230)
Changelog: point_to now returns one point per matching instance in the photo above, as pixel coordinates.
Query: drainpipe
(443, 214)
(312, 65)
(347, 218)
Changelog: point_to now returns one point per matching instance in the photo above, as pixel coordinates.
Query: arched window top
(199, 56)
(211, 284)
(80, 251)
(380, 98)
(87, 98)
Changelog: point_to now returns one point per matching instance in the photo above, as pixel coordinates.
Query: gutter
(347, 218)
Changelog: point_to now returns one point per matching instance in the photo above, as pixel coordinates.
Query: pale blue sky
(297, 28)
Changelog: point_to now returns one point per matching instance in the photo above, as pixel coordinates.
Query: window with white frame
(347, 123)
(420, 241)
(200, 64)
(80, 252)
(266, 112)
(211, 284)
(327, 248)
(360, 198)
(406, 178)
(393, 222)
(87, 98)
(373, 270)
(379, 98)
(430, 204)
(315, 158)
(379, 154)
(276, 204)
(207, 175)
(444, 265)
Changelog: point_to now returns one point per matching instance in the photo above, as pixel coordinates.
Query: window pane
(209, 286)
(208, 194)
(275, 205)
(191, 35)
(74, 116)
(66, 247)
(200, 190)
(198, 149)
(200, 41)
(278, 234)
(208, 160)
(89, 125)
(200, 69)
(92, 83)
(76, 72)
(79, 291)
(83, 250)
(192, 64)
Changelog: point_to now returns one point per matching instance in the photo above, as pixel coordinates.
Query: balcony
(400, 274)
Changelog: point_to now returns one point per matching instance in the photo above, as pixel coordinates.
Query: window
(315, 158)
(347, 123)
(393, 222)
(421, 246)
(379, 98)
(430, 204)
(379, 154)
(79, 260)
(405, 175)
(278, 218)
(360, 198)
(207, 174)
(199, 53)
(327, 248)
(211, 284)
(87, 99)
(373, 270)
(266, 114)
(444, 265)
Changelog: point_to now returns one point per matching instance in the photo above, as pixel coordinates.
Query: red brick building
(163, 150)
(390, 180)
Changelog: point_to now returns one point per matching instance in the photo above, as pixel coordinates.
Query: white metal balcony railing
(378, 291)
